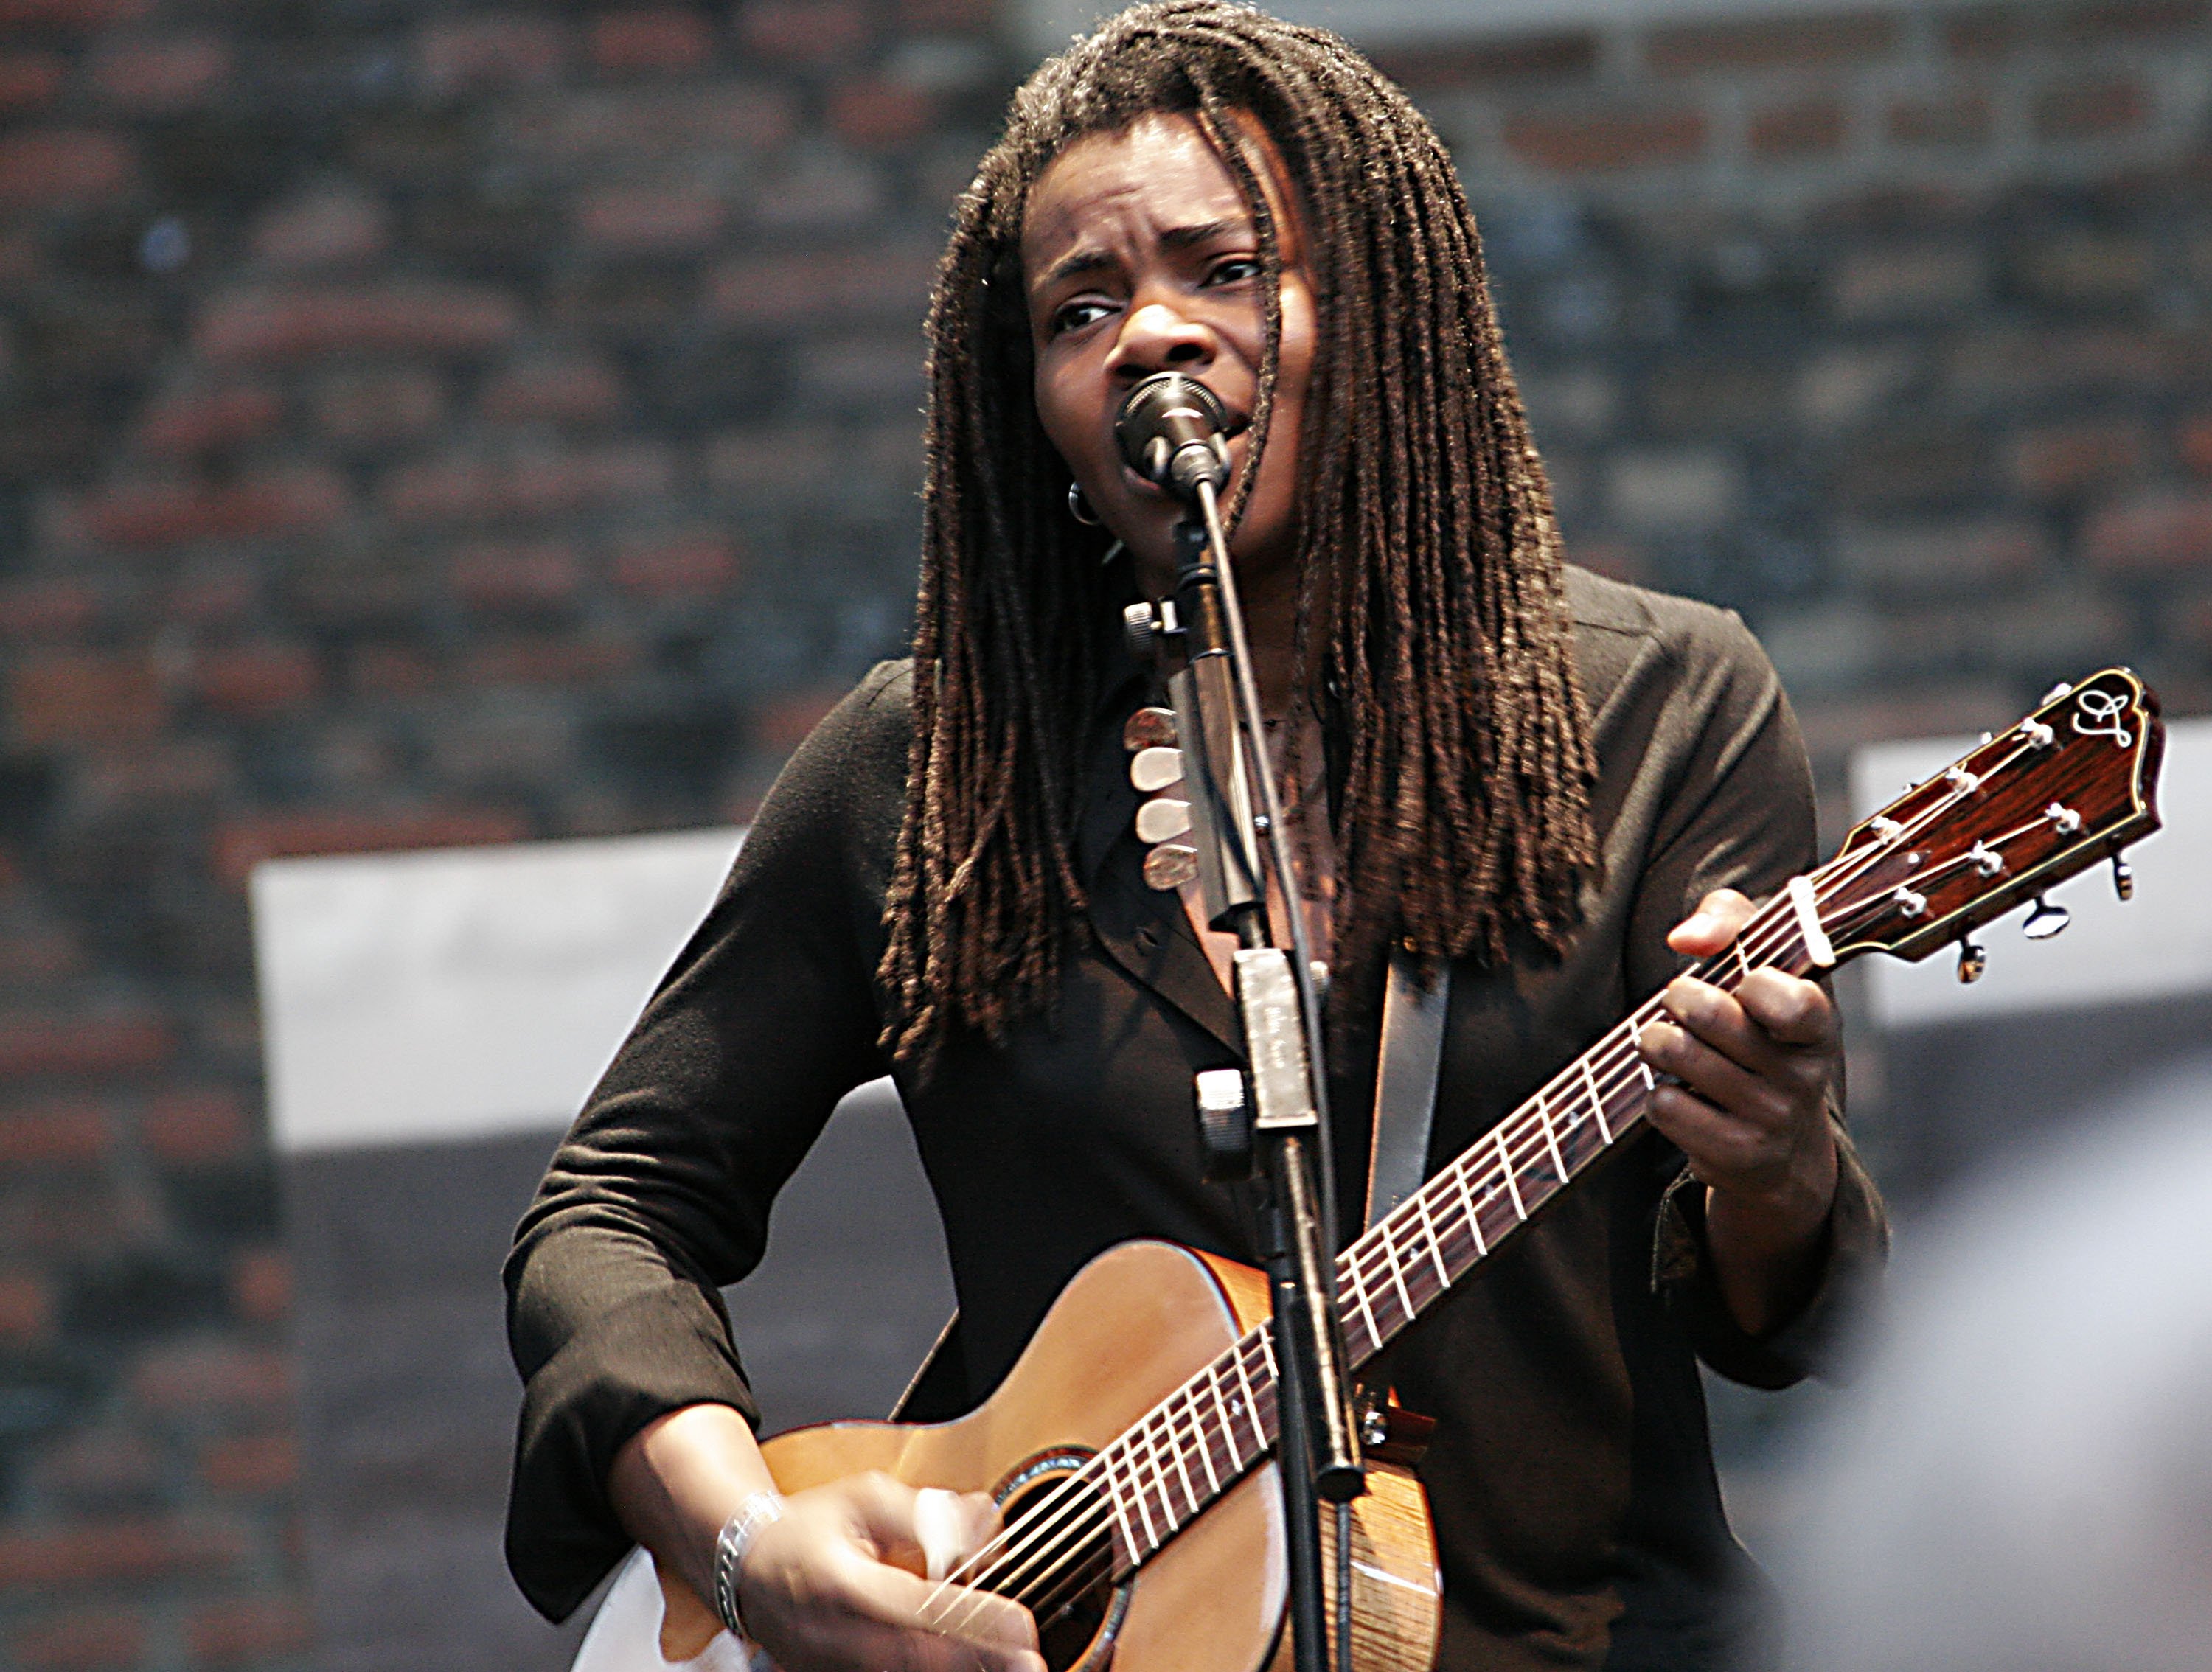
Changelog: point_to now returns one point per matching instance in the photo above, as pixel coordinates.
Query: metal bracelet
(736, 1537)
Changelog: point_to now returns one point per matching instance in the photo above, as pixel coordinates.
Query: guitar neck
(1162, 1472)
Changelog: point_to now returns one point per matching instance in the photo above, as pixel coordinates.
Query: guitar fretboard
(1192, 1446)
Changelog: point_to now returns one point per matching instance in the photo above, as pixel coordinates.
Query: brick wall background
(424, 423)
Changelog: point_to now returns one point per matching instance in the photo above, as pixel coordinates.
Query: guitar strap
(1405, 1071)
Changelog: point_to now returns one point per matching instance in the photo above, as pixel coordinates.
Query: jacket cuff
(656, 1352)
(1857, 1248)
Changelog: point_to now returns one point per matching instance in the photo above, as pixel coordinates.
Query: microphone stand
(1217, 699)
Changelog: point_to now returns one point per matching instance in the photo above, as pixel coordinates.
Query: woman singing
(1556, 786)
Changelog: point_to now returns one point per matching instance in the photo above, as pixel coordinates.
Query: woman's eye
(1076, 315)
(1234, 270)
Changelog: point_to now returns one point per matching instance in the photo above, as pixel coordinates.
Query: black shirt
(1579, 1519)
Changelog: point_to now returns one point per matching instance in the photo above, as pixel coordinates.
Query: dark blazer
(1578, 1515)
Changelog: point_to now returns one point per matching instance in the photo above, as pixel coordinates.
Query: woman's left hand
(1750, 1113)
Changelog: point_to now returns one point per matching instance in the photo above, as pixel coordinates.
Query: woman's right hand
(836, 1585)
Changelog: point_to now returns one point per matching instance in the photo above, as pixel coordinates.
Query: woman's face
(1140, 257)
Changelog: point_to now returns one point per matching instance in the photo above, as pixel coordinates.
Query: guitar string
(1378, 1242)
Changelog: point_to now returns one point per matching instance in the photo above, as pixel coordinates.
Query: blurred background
(429, 425)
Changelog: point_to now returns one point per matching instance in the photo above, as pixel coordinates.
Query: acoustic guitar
(1129, 1447)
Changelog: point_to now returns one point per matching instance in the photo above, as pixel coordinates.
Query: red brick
(83, 16)
(552, 484)
(100, 1553)
(192, 1129)
(380, 406)
(252, 682)
(510, 574)
(301, 499)
(109, 1044)
(607, 129)
(250, 1629)
(2152, 531)
(1441, 65)
(107, 1641)
(48, 609)
(1797, 130)
(1961, 120)
(575, 390)
(212, 595)
(73, 1131)
(72, 696)
(195, 421)
(392, 669)
(28, 79)
(2193, 442)
(59, 168)
(1601, 142)
(883, 281)
(554, 661)
(212, 1375)
(89, 1468)
(2090, 108)
(661, 37)
(27, 1307)
(245, 843)
(399, 317)
(2065, 458)
(1789, 44)
(630, 220)
(252, 1465)
(881, 113)
(955, 17)
(782, 724)
(327, 228)
(261, 1286)
(805, 31)
(702, 563)
(463, 54)
(2091, 24)
(161, 76)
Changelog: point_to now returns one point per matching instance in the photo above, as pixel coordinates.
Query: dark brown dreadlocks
(1431, 604)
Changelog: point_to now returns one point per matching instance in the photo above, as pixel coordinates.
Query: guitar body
(1132, 1326)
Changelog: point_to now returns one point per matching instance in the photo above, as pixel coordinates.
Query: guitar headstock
(2072, 783)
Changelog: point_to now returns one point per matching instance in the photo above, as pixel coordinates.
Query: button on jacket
(1578, 1516)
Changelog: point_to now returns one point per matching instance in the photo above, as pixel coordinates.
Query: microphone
(1171, 428)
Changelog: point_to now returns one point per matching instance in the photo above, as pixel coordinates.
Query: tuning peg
(2124, 878)
(2062, 689)
(2045, 921)
(1161, 818)
(1973, 958)
(1155, 767)
(1141, 630)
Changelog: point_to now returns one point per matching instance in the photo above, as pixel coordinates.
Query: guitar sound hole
(1060, 1562)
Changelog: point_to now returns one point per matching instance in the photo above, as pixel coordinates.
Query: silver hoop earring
(1080, 509)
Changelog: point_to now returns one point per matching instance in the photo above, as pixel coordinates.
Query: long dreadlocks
(1430, 604)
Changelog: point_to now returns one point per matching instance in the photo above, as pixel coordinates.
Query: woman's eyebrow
(1197, 233)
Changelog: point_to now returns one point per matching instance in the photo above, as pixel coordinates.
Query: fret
(1742, 963)
(1473, 1218)
(1120, 1510)
(1435, 1242)
(1228, 1426)
(1359, 1294)
(1153, 1538)
(1205, 1448)
(1597, 1101)
(1397, 1274)
(1251, 1404)
(1505, 1160)
(1180, 1452)
(1550, 1137)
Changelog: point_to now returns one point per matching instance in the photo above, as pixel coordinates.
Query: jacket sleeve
(659, 1194)
(1743, 818)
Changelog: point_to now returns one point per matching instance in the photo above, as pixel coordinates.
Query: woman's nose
(1155, 337)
